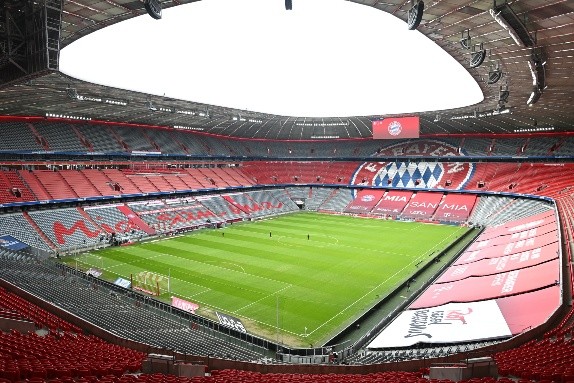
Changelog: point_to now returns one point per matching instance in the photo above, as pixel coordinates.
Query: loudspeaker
(415, 15)
(153, 8)
(288, 5)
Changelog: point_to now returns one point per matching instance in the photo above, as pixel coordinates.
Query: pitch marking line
(372, 290)
(211, 265)
(265, 297)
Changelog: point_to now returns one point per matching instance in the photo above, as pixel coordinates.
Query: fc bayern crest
(395, 128)
(416, 174)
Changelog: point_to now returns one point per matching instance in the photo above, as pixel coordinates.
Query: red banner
(499, 264)
(393, 202)
(520, 225)
(518, 309)
(365, 201)
(422, 205)
(455, 207)
(508, 244)
(394, 128)
(491, 286)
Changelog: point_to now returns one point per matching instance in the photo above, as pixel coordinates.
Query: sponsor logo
(60, 230)
(184, 305)
(94, 272)
(423, 319)
(123, 283)
(368, 198)
(454, 207)
(11, 243)
(231, 322)
(396, 198)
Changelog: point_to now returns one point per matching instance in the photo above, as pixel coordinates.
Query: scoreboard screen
(394, 128)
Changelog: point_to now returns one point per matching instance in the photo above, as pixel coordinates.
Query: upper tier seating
(17, 136)
(60, 137)
(81, 137)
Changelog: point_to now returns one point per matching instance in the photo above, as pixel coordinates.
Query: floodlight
(153, 8)
(494, 76)
(534, 96)
(477, 58)
(415, 15)
(465, 40)
(503, 95)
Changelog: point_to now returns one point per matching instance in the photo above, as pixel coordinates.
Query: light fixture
(415, 15)
(323, 124)
(503, 95)
(494, 75)
(72, 93)
(66, 116)
(183, 127)
(535, 129)
(324, 137)
(477, 58)
(151, 106)
(465, 40)
(153, 8)
(534, 96)
(537, 66)
(437, 118)
(505, 16)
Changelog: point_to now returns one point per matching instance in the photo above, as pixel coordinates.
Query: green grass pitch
(303, 289)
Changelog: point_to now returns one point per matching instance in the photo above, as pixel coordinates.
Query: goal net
(150, 282)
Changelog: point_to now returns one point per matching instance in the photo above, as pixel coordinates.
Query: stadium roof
(536, 59)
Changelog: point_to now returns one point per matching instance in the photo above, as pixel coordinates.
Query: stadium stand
(16, 225)
(68, 228)
(112, 220)
(500, 169)
(55, 184)
(337, 200)
(121, 314)
(84, 227)
(60, 138)
(315, 198)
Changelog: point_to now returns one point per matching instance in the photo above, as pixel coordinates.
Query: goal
(151, 283)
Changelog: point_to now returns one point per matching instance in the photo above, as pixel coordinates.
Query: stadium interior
(87, 167)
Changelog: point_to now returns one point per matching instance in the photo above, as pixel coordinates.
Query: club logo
(368, 198)
(413, 174)
(395, 128)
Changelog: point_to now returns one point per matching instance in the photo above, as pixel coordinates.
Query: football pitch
(296, 278)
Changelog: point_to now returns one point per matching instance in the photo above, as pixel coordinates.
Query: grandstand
(78, 174)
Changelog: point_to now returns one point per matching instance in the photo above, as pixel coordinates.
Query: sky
(324, 58)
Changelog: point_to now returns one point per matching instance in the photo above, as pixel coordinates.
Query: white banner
(449, 323)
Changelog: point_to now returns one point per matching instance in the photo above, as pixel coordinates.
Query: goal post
(151, 282)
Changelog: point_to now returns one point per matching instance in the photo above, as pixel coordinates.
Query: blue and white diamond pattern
(405, 174)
